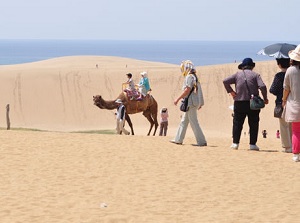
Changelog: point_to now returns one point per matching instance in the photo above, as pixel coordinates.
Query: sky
(220, 20)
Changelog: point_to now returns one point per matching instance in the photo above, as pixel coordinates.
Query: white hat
(143, 73)
(119, 101)
(295, 54)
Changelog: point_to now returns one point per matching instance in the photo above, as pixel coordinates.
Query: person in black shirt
(277, 90)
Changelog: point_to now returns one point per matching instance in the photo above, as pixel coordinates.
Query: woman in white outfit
(195, 102)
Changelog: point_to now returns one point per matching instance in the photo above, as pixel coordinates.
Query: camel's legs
(154, 118)
(147, 114)
(127, 118)
(152, 112)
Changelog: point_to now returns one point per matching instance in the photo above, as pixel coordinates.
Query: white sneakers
(296, 157)
(254, 147)
(234, 146)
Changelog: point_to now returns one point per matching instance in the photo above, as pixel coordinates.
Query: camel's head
(98, 101)
(102, 104)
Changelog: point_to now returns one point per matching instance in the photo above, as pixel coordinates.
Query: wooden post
(7, 117)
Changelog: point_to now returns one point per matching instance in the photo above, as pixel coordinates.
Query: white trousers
(120, 127)
(285, 133)
(190, 117)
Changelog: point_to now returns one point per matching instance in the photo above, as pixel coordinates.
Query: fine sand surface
(58, 176)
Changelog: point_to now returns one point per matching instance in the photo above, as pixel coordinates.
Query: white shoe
(234, 146)
(296, 157)
(254, 147)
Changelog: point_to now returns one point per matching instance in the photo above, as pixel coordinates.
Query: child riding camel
(144, 86)
(130, 90)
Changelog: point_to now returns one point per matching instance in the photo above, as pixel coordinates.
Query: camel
(148, 106)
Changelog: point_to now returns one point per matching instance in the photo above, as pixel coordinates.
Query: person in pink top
(291, 100)
(163, 121)
(278, 134)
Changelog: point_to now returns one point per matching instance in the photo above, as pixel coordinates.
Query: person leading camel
(121, 117)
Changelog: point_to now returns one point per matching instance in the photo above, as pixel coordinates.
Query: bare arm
(285, 96)
(185, 93)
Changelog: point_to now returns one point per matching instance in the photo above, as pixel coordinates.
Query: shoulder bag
(256, 102)
(278, 110)
(184, 102)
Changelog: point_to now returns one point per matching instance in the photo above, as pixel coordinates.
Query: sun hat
(246, 62)
(119, 101)
(295, 54)
(143, 73)
(186, 66)
(164, 109)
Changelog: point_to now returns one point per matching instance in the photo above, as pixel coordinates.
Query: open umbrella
(278, 50)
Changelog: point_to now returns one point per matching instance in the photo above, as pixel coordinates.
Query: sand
(60, 176)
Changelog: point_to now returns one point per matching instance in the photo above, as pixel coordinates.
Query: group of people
(133, 94)
(131, 91)
(247, 83)
(143, 87)
(285, 87)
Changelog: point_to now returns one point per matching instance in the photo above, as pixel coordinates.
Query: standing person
(163, 121)
(264, 133)
(144, 85)
(278, 134)
(241, 97)
(121, 117)
(277, 89)
(195, 102)
(291, 100)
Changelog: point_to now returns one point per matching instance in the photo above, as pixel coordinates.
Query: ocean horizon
(200, 52)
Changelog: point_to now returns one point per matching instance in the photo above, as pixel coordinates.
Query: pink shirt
(164, 116)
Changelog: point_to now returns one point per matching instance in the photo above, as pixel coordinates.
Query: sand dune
(57, 176)
(57, 94)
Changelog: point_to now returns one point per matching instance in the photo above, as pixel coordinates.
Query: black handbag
(184, 102)
(184, 105)
(278, 110)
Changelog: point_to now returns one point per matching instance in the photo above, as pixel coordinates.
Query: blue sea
(200, 52)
